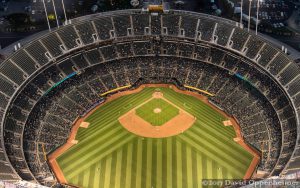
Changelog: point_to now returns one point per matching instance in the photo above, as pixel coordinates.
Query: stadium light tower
(46, 15)
(241, 18)
(257, 10)
(249, 15)
(63, 6)
(55, 13)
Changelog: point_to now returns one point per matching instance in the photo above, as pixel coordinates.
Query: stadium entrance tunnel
(124, 140)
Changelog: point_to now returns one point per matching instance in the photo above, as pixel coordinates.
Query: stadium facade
(56, 77)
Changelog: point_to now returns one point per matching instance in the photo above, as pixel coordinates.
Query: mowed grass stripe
(214, 170)
(102, 172)
(85, 133)
(199, 109)
(159, 163)
(113, 172)
(217, 152)
(216, 129)
(184, 165)
(211, 121)
(86, 178)
(209, 168)
(195, 178)
(232, 148)
(224, 173)
(144, 162)
(199, 169)
(169, 163)
(134, 164)
(229, 143)
(67, 159)
(116, 142)
(147, 92)
(149, 163)
(128, 166)
(189, 165)
(209, 118)
(220, 172)
(208, 152)
(109, 114)
(204, 166)
(189, 100)
(107, 172)
(164, 180)
(94, 136)
(214, 149)
(121, 105)
(174, 162)
(124, 164)
(98, 167)
(139, 163)
(73, 181)
(154, 162)
(80, 178)
(102, 127)
(179, 163)
(92, 176)
(118, 170)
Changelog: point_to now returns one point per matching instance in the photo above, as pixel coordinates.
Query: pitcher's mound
(157, 110)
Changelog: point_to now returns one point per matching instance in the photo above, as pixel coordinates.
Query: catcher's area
(137, 125)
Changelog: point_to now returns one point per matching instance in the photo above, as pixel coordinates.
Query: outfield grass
(107, 155)
(146, 112)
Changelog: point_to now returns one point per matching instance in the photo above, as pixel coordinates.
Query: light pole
(249, 15)
(258, 2)
(55, 13)
(46, 15)
(241, 18)
(63, 5)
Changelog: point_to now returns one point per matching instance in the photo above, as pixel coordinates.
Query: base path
(138, 126)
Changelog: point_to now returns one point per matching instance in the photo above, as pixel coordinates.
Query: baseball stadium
(148, 98)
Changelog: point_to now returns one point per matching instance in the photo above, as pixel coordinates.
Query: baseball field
(108, 155)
